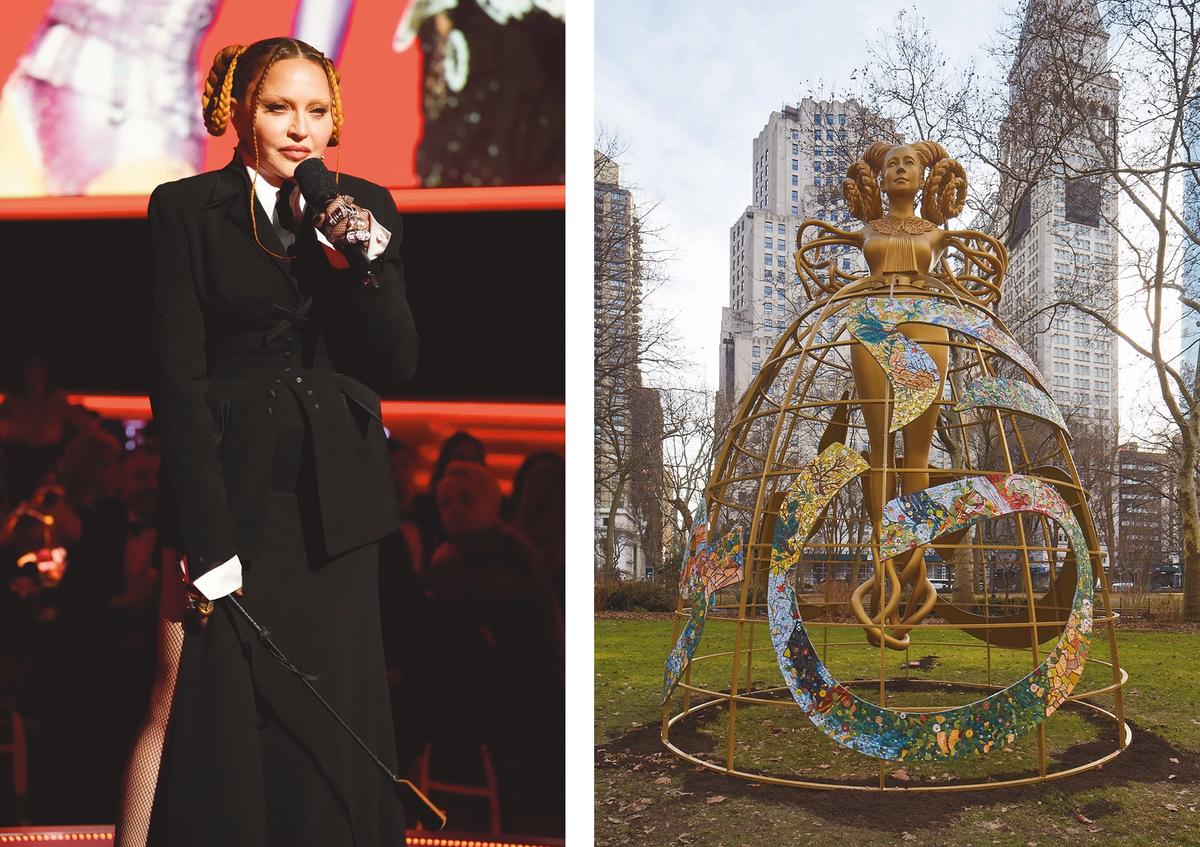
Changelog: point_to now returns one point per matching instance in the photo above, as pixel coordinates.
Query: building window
(782, 261)
(795, 211)
(829, 119)
(816, 180)
(841, 120)
(795, 196)
(817, 120)
(845, 264)
(781, 228)
(768, 242)
(817, 166)
(795, 135)
(795, 149)
(755, 368)
(841, 135)
(766, 291)
(795, 179)
(795, 164)
(757, 351)
(829, 136)
(766, 258)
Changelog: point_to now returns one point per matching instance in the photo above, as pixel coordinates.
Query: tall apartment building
(1143, 513)
(799, 161)
(1189, 319)
(1064, 242)
(628, 430)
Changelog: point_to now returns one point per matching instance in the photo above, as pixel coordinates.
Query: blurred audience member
(496, 597)
(537, 509)
(402, 611)
(36, 421)
(459, 447)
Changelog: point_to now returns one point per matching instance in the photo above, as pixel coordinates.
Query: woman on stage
(275, 460)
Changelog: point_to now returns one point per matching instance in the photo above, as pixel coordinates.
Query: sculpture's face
(902, 170)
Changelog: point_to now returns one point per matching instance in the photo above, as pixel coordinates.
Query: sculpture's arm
(974, 262)
(817, 262)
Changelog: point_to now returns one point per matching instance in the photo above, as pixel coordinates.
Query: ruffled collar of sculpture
(898, 226)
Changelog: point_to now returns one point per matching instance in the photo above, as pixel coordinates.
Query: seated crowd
(471, 592)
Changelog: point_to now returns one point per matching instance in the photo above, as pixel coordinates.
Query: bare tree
(1156, 64)
(628, 266)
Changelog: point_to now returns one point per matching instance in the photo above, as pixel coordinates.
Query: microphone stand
(427, 812)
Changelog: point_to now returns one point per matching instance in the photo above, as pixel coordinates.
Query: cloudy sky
(688, 85)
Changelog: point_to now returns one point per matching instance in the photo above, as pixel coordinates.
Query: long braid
(336, 114)
(335, 96)
(262, 78)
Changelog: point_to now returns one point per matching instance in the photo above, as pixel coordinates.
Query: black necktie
(283, 210)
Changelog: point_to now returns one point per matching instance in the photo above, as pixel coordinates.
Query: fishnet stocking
(142, 769)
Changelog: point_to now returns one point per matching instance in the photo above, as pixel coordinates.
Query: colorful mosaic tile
(912, 521)
(995, 392)
(873, 321)
(910, 370)
(707, 569)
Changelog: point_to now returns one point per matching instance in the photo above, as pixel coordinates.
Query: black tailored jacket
(233, 329)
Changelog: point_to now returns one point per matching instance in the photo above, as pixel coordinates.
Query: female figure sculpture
(917, 344)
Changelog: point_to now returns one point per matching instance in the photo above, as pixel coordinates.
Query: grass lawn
(645, 795)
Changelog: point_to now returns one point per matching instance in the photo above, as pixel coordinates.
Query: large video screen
(101, 97)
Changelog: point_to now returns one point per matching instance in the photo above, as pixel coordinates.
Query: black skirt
(250, 757)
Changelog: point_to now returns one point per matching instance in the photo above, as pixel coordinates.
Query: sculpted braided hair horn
(861, 186)
(218, 88)
(945, 191)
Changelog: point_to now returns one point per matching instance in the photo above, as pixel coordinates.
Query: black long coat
(233, 328)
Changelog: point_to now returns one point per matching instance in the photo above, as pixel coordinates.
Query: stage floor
(102, 836)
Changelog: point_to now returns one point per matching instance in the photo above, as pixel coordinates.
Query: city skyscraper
(799, 161)
(1063, 244)
(1189, 319)
(628, 427)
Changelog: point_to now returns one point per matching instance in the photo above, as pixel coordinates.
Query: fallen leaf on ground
(663, 780)
(901, 774)
(908, 836)
(1173, 760)
(716, 798)
(1170, 807)
(1082, 818)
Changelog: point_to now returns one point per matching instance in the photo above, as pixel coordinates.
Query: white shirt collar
(267, 194)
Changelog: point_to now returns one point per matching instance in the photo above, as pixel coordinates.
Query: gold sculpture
(901, 250)
(913, 346)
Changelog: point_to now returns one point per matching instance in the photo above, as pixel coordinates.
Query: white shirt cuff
(225, 578)
(380, 236)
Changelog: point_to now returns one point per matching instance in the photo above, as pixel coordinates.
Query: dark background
(486, 289)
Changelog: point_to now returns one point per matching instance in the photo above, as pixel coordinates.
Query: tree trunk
(1189, 522)
(610, 537)
(962, 561)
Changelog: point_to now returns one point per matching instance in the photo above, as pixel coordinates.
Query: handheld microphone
(319, 190)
